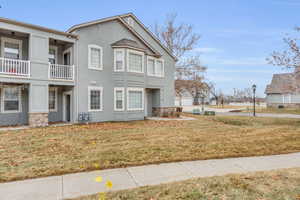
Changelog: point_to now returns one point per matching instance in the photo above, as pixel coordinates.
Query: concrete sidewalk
(79, 184)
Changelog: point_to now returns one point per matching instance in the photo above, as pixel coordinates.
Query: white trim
(138, 53)
(115, 60)
(155, 67)
(90, 66)
(90, 88)
(14, 41)
(55, 48)
(64, 105)
(143, 99)
(163, 67)
(123, 98)
(19, 100)
(130, 21)
(55, 89)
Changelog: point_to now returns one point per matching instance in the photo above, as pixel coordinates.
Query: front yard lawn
(58, 150)
(272, 185)
(295, 111)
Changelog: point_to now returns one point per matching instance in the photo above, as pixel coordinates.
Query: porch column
(38, 104)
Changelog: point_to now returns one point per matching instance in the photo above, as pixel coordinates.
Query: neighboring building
(185, 98)
(284, 90)
(113, 69)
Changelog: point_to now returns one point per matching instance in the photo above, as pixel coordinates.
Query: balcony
(61, 72)
(14, 67)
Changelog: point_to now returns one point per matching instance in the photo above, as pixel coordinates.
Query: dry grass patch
(53, 151)
(295, 111)
(272, 185)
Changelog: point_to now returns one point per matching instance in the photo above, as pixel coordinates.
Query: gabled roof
(283, 84)
(127, 43)
(120, 18)
(36, 27)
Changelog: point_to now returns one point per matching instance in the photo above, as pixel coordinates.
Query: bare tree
(217, 94)
(181, 39)
(289, 58)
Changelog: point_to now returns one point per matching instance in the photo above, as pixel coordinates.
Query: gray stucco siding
(57, 116)
(104, 35)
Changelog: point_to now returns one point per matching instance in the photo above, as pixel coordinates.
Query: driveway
(227, 112)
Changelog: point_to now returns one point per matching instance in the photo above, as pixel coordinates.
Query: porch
(17, 62)
(22, 104)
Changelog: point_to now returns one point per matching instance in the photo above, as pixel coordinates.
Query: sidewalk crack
(135, 181)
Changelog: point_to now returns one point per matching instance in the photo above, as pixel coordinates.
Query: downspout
(77, 81)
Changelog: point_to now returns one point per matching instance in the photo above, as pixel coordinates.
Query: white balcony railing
(14, 67)
(61, 72)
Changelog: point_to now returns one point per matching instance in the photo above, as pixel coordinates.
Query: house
(284, 90)
(112, 69)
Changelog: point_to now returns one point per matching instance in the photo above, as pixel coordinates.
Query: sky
(236, 35)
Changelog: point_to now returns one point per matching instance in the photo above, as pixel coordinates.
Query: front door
(68, 108)
(67, 57)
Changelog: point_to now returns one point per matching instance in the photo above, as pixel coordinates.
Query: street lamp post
(254, 90)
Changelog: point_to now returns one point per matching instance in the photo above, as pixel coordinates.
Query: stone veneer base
(38, 119)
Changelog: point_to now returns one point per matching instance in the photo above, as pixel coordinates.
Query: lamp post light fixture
(254, 99)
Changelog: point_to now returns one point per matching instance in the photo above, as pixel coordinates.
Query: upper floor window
(52, 57)
(95, 101)
(119, 60)
(11, 100)
(95, 57)
(155, 67)
(53, 99)
(135, 61)
(11, 48)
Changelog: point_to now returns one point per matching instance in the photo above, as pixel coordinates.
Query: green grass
(272, 185)
(50, 151)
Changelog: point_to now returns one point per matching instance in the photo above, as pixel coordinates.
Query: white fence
(14, 67)
(61, 72)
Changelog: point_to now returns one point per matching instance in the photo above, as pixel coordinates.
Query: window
(119, 99)
(135, 99)
(95, 57)
(159, 68)
(52, 55)
(11, 100)
(53, 99)
(155, 67)
(135, 61)
(11, 48)
(95, 102)
(130, 21)
(151, 66)
(119, 61)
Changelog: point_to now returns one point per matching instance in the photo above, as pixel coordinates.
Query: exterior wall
(104, 35)
(57, 116)
(286, 100)
(13, 119)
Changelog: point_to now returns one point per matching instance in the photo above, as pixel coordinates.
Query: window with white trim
(151, 66)
(119, 60)
(135, 99)
(135, 61)
(95, 57)
(52, 57)
(11, 99)
(11, 48)
(159, 66)
(155, 67)
(130, 21)
(95, 101)
(119, 99)
(53, 99)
